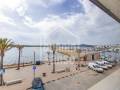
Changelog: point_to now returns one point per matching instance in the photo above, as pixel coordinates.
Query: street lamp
(34, 66)
(48, 57)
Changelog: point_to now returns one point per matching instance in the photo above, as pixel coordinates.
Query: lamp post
(34, 66)
(48, 57)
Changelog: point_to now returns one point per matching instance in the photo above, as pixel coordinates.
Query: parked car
(102, 65)
(37, 84)
(107, 63)
(95, 67)
(113, 63)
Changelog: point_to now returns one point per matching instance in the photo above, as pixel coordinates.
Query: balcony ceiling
(111, 7)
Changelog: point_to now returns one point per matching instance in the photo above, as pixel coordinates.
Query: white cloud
(5, 33)
(21, 10)
(6, 6)
(19, 6)
(12, 4)
(45, 3)
(28, 21)
(5, 19)
(52, 23)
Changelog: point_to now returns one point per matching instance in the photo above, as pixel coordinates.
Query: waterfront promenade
(53, 81)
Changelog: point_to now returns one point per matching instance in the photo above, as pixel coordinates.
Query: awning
(111, 7)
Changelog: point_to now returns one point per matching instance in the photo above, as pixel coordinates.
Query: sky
(56, 21)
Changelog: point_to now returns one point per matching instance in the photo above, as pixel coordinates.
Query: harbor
(66, 59)
(59, 45)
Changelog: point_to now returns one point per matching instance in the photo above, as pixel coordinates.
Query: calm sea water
(27, 55)
(11, 56)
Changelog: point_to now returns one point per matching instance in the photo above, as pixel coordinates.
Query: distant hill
(86, 45)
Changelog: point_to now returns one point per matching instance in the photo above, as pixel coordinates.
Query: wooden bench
(7, 83)
(60, 71)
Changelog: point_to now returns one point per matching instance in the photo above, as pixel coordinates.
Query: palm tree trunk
(19, 60)
(1, 67)
(53, 61)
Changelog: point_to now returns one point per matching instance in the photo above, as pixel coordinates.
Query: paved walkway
(112, 82)
(26, 74)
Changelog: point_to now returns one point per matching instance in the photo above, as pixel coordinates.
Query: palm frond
(5, 44)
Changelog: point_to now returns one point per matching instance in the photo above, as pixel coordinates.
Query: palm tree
(85, 58)
(79, 58)
(53, 47)
(5, 45)
(19, 47)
